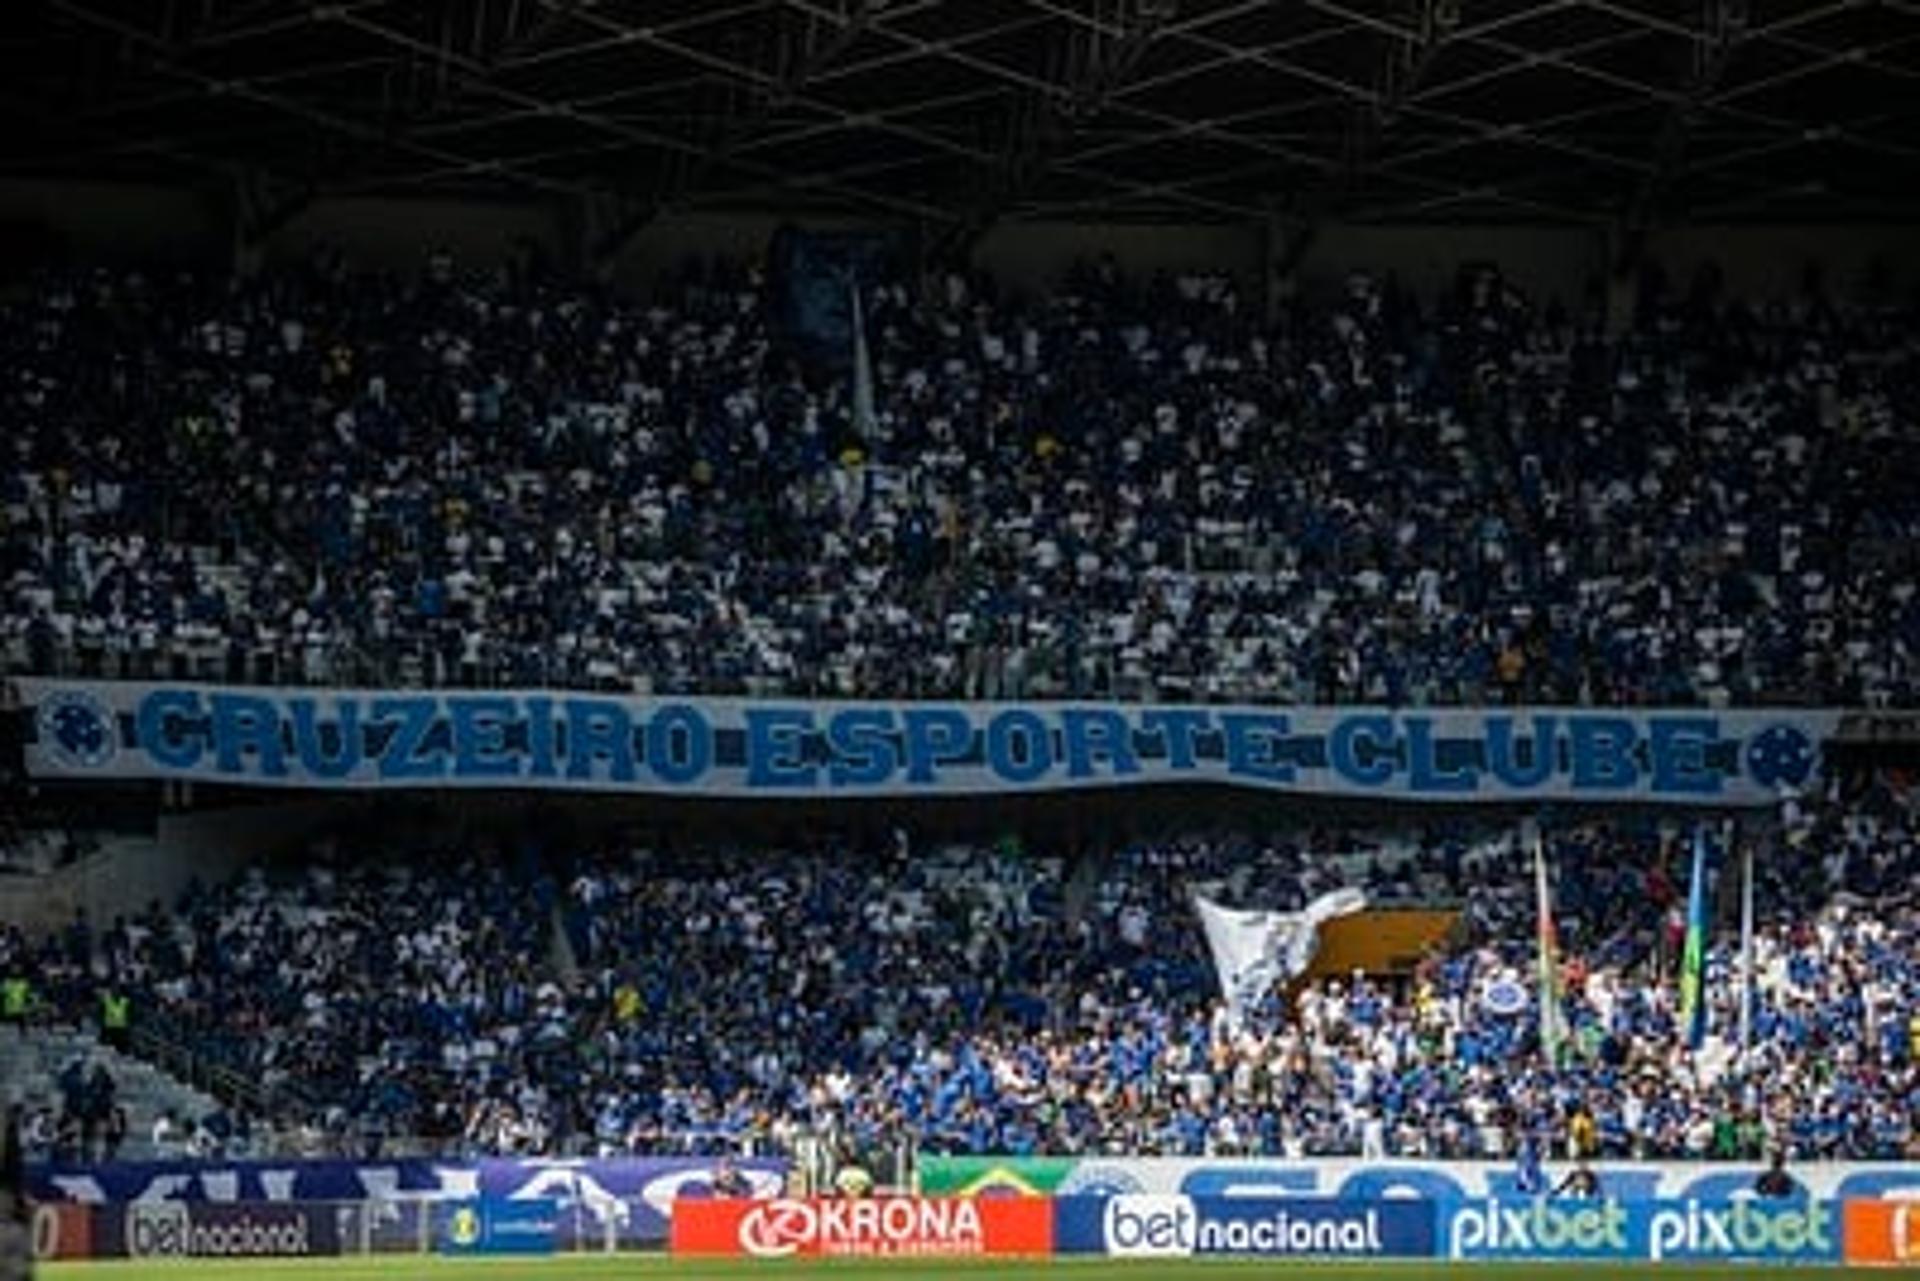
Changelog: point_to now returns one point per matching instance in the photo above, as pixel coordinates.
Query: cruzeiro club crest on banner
(77, 729)
(1782, 754)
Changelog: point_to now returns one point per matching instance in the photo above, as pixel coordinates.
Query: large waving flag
(1553, 1014)
(1693, 955)
(1253, 950)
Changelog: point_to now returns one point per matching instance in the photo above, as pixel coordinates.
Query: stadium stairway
(31, 1065)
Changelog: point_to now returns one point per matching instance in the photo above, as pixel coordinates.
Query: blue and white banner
(496, 1227)
(1161, 1225)
(748, 748)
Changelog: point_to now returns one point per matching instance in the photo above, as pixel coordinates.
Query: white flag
(1253, 950)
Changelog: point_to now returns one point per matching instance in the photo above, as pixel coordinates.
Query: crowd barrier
(1129, 1225)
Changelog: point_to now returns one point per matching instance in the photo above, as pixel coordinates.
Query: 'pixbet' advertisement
(1159, 1225)
(883, 1226)
(1806, 1231)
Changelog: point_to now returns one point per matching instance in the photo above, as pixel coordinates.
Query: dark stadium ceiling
(957, 113)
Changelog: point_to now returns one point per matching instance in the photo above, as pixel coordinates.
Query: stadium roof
(961, 112)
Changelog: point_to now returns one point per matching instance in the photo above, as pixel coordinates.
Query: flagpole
(863, 413)
(1746, 948)
(1693, 1010)
(1549, 958)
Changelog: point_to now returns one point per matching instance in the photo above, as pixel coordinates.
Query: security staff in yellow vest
(16, 1001)
(116, 1010)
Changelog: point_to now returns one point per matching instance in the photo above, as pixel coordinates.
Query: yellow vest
(1583, 1132)
(113, 1011)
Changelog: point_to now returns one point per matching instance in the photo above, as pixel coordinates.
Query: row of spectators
(993, 999)
(1118, 488)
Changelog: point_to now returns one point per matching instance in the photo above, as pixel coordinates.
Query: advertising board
(61, 1232)
(495, 1226)
(1651, 1231)
(207, 1230)
(1886, 1232)
(1145, 1225)
(945, 1227)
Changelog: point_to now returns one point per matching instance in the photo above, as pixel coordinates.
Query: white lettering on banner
(1284, 1234)
(1743, 1228)
(168, 1229)
(777, 1229)
(740, 747)
(248, 1238)
(1147, 1227)
(46, 1231)
(1537, 1227)
(883, 1226)
(1151, 1225)
(1905, 1231)
(157, 1230)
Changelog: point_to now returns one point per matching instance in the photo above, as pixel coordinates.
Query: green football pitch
(660, 1268)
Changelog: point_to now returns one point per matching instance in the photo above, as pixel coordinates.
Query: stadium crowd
(986, 999)
(1137, 489)
(1127, 489)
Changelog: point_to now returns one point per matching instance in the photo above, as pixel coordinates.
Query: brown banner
(1381, 941)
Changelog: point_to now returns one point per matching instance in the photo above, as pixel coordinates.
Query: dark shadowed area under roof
(958, 113)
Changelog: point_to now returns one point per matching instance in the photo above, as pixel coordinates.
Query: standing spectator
(728, 1181)
(1774, 1183)
(166, 1136)
(1581, 1185)
(116, 1018)
(97, 1107)
(16, 1216)
(115, 1134)
(1529, 1179)
(16, 1000)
